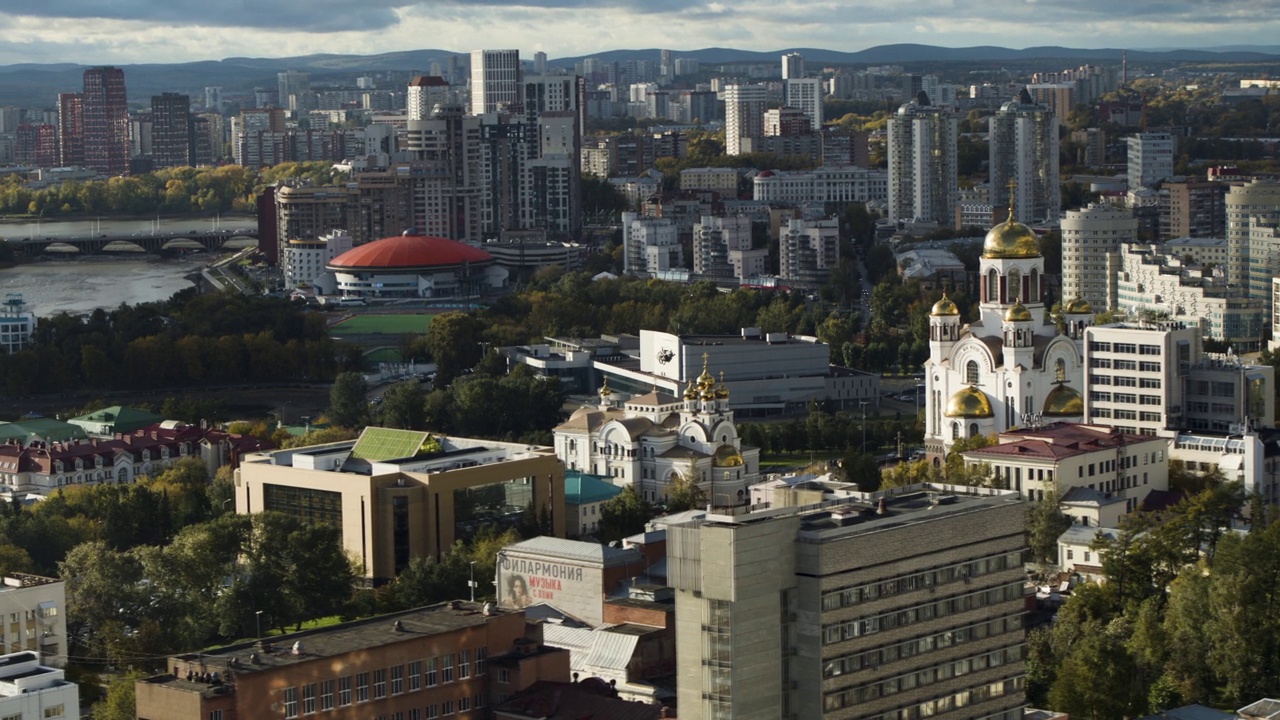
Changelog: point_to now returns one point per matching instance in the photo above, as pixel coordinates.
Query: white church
(652, 439)
(1010, 367)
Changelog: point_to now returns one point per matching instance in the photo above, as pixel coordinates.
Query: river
(80, 285)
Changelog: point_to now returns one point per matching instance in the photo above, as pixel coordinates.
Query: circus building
(1010, 366)
(652, 440)
(412, 266)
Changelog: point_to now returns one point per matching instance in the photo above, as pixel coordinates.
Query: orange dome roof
(410, 251)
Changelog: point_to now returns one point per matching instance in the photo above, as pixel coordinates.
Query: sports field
(382, 325)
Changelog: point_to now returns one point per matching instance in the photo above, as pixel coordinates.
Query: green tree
(347, 404)
(120, 703)
(1045, 524)
(455, 342)
(624, 515)
(684, 494)
(862, 469)
(403, 406)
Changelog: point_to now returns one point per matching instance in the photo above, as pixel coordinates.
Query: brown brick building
(453, 660)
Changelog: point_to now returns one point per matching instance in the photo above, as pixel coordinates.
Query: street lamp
(472, 582)
(258, 617)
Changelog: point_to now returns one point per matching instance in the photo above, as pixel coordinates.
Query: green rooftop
(581, 488)
(377, 444)
(119, 419)
(45, 429)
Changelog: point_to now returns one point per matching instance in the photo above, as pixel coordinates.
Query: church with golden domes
(651, 440)
(1010, 366)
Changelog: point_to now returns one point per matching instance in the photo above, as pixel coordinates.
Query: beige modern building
(721, 180)
(34, 611)
(400, 494)
(905, 603)
(1091, 239)
(1252, 209)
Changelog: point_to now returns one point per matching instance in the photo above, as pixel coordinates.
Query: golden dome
(1010, 239)
(604, 389)
(689, 392)
(969, 403)
(1063, 401)
(944, 307)
(722, 392)
(1079, 306)
(727, 456)
(1017, 313)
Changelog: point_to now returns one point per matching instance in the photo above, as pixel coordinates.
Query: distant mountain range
(37, 85)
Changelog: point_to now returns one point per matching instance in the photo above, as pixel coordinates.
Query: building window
(213, 715)
(464, 704)
(415, 676)
(397, 680)
(447, 708)
(308, 699)
(482, 654)
(379, 684)
(344, 691)
(971, 372)
(290, 702)
(326, 695)
(362, 687)
(429, 677)
(504, 676)
(446, 667)
(464, 664)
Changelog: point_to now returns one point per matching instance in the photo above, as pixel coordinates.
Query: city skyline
(133, 32)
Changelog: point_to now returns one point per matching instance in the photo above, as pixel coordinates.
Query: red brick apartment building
(454, 660)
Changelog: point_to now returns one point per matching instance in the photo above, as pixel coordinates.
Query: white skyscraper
(495, 80)
(1024, 150)
(744, 107)
(806, 94)
(1091, 239)
(792, 66)
(540, 63)
(1150, 159)
(1253, 237)
(923, 179)
(425, 93)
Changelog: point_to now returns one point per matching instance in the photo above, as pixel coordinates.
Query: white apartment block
(32, 691)
(495, 80)
(825, 184)
(1253, 241)
(17, 323)
(721, 180)
(304, 259)
(424, 94)
(1150, 159)
(650, 245)
(923, 170)
(1091, 239)
(792, 66)
(809, 251)
(1024, 151)
(1153, 279)
(805, 94)
(1201, 251)
(722, 248)
(744, 107)
(34, 612)
(1155, 379)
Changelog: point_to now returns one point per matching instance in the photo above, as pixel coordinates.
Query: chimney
(882, 508)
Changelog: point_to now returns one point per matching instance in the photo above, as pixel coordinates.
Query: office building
(903, 603)
(808, 252)
(495, 81)
(291, 86)
(1253, 243)
(923, 178)
(1150, 159)
(571, 576)
(720, 180)
(1153, 278)
(171, 131)
(36, 608)
(1091, 239)
(400, 494)
(1010, 365)
(744, 107)
(805, 94)
(1154, 378)
(105, 112)
(213, 98)
(70, 129)
(457, 659)
(723, 249)
(839, 184)
(792, 66)
(650, 245)
(30, 690)
(1023, 161)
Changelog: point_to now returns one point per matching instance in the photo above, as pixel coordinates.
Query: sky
(142, 31)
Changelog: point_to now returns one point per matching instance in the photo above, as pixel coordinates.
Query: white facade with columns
(1010, 367)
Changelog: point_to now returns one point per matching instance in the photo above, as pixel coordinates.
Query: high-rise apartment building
(650, 245)
(291, 84)
(1253, 240)
(923, 171)
(213, 98)
(898, 604)
(805, 94)
(171, 131)
(1150, 159)
(1024, 155)
(495, 80)
(425, 93)
(106, 121)
(792, 66)
(744, 107)
(1091, 239)
(70, 129)
(722, 248)
(808, 251)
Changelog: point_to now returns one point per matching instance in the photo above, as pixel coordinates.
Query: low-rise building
(1076, 553)
(584, 499)
(110, 421)
(400, 494)
(32, 691)
(587, 698)
(571, 576)
(304, 259)
(826, 184)
(721, 180)
(17, 323)
(935, 268)
(455, 659)
(36, 608)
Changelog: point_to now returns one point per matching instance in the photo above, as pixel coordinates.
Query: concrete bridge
(139, 243)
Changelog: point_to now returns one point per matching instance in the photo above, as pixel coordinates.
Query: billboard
(526, 579)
